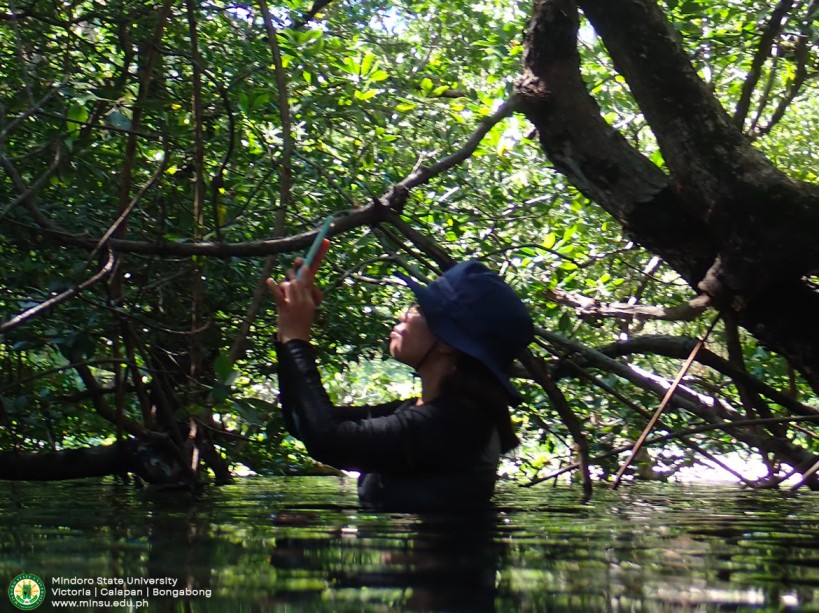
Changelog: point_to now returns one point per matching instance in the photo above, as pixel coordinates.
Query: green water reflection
(303, 544)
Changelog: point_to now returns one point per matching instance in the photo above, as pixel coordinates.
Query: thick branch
(590, 307)
(593, 155)
(685, 117)
(151, 462)
(66, 464)
(165, 248)
(681, 399)
(679, 347)
(706, 409)
(719, 176)
(783, 319)
(728, 221)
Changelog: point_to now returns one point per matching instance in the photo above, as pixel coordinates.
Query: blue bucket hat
(472, 309)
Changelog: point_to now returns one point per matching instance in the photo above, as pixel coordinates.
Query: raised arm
(409, 438)
(291, 399)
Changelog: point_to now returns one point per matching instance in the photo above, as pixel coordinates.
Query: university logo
(27, 592)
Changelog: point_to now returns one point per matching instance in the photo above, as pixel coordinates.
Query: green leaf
(261, 100)
(366, 64)
(77, 115)
(244, 102)
(254, 410)
(366, 95)
(222, 367)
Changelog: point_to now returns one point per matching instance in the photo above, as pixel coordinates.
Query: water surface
(303, 544)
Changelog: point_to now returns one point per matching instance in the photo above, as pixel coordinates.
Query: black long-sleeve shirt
(438, 455)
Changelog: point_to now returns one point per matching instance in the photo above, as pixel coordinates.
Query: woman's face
(411, 338)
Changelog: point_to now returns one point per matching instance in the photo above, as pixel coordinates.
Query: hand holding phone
(317, 251)
(297, 302)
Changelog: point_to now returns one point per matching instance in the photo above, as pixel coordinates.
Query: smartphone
(317, 251)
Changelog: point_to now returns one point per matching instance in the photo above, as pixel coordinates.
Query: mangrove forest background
(642, 172)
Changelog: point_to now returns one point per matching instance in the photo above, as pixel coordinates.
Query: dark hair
(475, 383)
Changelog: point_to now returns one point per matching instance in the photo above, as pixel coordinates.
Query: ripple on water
(303, 543)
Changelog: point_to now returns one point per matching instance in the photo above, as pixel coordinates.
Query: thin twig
(30, 111)
(51, 371)
(422, 242)
(20, 48)
(318, 6)
(285, 185)
(126, 212)
(724, 425)
(66, 295)
(27, 193)
(145, 76)
(424, 174)
(669, 393)
(802, 54)
(763, 52)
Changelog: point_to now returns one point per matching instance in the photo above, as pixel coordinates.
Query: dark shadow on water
(431, 562)
(304, 544)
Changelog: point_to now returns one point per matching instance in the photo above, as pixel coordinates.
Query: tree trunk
(129, 456)
(724, 217)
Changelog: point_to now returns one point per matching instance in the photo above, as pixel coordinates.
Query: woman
(441, 450)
